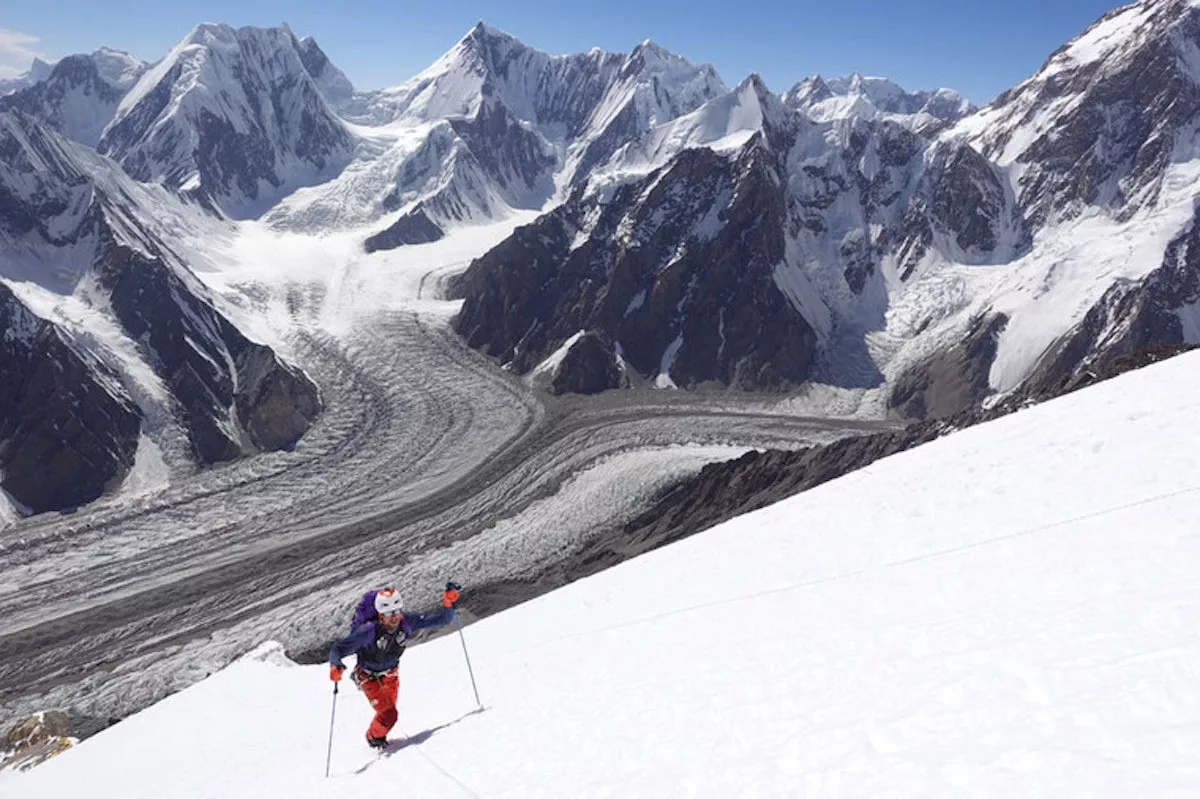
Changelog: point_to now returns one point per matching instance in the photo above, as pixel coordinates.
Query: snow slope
(1008, 611)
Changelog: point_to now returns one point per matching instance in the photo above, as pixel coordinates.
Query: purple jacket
(377, 649)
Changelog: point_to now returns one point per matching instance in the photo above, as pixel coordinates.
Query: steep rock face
(68, 430)
(677, 269)
(237, 396)
(970, 203)
(75, 99)
(276, 403)
(415, 227)
(1160, 311)
(952, 381)
(335, 87)
(71, 224)
(230, 117)
(501, 125)
(515, 158)
(589, 366)
(1100, 122)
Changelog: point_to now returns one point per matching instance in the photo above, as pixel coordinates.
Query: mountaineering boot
(376, 743)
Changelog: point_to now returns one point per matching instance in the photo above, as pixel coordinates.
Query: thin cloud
(16, 52)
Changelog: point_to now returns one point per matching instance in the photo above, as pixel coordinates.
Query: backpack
(365, 611)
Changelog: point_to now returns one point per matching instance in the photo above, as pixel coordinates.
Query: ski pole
(329, 751)
(470, 671)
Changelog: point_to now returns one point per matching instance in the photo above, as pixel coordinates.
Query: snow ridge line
(466, 788)
(859, 572)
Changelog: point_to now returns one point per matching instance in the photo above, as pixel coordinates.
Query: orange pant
(382, 693)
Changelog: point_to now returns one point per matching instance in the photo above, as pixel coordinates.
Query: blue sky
(977, 48)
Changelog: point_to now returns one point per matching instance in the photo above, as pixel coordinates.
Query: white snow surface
(871, 97)
(724, 124)
(1010, 610)
(118, 67)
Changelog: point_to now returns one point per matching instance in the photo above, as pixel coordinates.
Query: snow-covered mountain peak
(38, 71)
(485, 60)
(1118, 32)
(483, 35)
(1100, 123)
(332, 82)
(515, 126)
(856, 95)
(191, 62)
(807, 92)
(81, 94)
(232, 115)
(754, 96)
(651, 51)
(724, 125)
(651, 60)
(118, 67)
(212, 34)
(491, 52)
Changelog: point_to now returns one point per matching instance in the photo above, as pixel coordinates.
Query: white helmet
(387, 601)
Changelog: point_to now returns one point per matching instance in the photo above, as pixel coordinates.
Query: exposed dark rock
(648, 280)
(588, 367)
(33, 740)
(1112, 147)
(276, 403)
(955, 379)
(968, 201)
(509, 153)
(897, 145)
(209, 366)
(415, 227)
(68, 429)
(32, 729)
